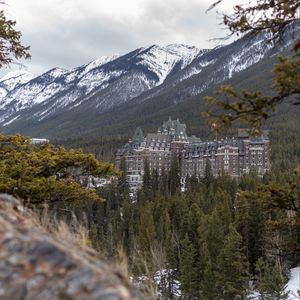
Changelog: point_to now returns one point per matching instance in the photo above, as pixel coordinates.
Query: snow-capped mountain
(118, 78)
(113, 84)
(12, 80)
(213, 67)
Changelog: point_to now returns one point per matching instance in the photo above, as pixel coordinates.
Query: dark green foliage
(46, 174)
(270, 280)
(251, 224)
(208, 237)
(262, 15)
(208, 288)
(174, 178)
(274, 18)
(147, 182)
(232, 277)
(213, 236)
(208, 176)
(147, 232)
(10, 41)
(187, 269)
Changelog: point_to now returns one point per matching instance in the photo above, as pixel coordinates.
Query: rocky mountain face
(112, 80)
(108, 84)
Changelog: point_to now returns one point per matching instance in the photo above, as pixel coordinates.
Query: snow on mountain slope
(17, 77)
(56, 89)
(82, 70)
(174, 72)
(96, 78)
(212, 67)
(45, 86)
(161, 60)
(12, 80)
(100, 61)
(186, 53)
(34, 91)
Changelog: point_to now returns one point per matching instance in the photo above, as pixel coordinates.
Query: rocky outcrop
(34, 265)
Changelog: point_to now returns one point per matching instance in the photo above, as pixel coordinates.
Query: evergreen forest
(220, 238)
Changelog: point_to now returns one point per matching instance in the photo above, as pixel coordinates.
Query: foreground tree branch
(10, 41)
(274, 18)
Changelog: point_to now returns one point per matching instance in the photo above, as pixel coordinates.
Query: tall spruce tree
(271, 281)
(208, 175)
(208, 282)
(155, 182)
(163, 182)
(147, 233)
(187, 269)
(251, 224)
(147, 181)
(174, 177)
(232, 276)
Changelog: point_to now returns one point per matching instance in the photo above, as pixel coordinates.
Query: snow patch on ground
(162, 279)
(293, 285)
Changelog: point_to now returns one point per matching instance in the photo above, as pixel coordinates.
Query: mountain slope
(112, 90)
(117, 79)
(124, 118)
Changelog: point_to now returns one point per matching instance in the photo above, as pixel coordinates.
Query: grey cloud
(57, 41)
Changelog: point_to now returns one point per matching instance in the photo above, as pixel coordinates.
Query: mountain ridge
(153, 64)
(158, 76)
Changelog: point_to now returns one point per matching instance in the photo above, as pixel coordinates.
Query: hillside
(112, 90)
(111, 130)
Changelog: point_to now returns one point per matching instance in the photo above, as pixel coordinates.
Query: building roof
(158, 137)
(173, 128)
(138, 136)
(174, 131)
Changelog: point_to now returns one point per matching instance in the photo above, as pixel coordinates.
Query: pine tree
(270, 281)
(122, 190)
(208, 283)
(10, 40)
(276, 18)
(155, 182)
(187, 269)
(127, 227)
(147, 181)
(174, 178)
(214, 234)
(251, 224)
(208, 175)
(192, 184)
(232, 276)
(163, 183)
(147, 232)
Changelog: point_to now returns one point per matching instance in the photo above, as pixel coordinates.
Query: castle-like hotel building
(234, 156)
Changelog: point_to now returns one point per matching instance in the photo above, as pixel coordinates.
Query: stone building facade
(235, 156)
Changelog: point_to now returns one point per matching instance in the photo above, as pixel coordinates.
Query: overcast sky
(69, 33)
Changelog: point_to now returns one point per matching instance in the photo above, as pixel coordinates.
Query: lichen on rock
(35, 265)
